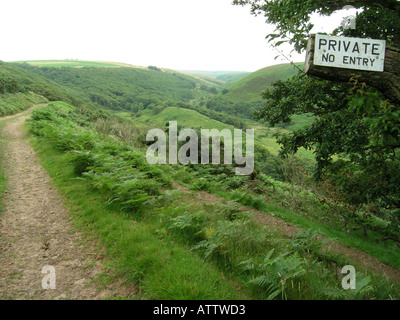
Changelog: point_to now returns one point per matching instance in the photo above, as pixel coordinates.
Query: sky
(176, 34)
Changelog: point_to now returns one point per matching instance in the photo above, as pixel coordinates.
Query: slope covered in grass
(175, 246)
(126, 88)
(28, 81)
(243, 96)
(185, 117)
(226, 77)
(250, 87)
(11, 103)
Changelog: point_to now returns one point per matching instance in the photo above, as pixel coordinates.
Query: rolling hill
(249, 88)
(227, 77)
(123, 87)
(28, 81)
(242, 97)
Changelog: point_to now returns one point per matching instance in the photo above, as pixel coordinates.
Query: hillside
(249, 88)
(227, 77)
(191, 232)
(124, 88)
(75, 64)
(28, 81)
(243, 96)
(11, 103)
(185, 117)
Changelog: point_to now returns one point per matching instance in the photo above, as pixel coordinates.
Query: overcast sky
(175, 34)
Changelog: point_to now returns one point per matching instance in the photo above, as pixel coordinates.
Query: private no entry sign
(349, 53)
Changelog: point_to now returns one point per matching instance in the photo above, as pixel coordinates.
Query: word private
(349, 53)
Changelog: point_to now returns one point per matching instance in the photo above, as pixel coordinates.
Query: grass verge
(162, 268)
(2, 176)
(387, 254)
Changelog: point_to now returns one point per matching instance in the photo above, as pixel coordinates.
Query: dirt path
(360, 257)
(36, 231)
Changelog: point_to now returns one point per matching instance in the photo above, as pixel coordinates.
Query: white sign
(349, 53)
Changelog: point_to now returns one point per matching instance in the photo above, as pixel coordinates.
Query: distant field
(76, 64)
(223, 76)
(185, 117)
(192, 119)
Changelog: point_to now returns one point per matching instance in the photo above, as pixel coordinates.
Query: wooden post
(387, 82)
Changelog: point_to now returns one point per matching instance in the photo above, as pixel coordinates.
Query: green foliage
(289, 267)
(243, 97)
(9, 85)
(11, 103)
(223, 236)
(292, 18)
(26, 81)
(377, 22)
(355, 137)
(128, 89)
(138, 254)
(126, 179)
(82, 161)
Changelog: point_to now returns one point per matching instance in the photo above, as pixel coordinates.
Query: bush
(82, 161)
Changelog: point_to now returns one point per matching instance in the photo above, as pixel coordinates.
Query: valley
(174, 232)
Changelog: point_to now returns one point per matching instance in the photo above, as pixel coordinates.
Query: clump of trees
(9, 85)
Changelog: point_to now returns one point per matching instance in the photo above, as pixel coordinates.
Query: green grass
(143, 252)
(192, 119)
(249, 88)
(162, 268)
(11, 103)
(173, 246)
(184, 117)
(387, 254)
(2, 177)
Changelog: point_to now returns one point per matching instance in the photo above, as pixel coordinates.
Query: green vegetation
(185, 117)
(250, 87)
(17, 102)
(243, 97)
(28, 81)
(355, 132)
(148, 227)
(227, 77)
(128, 89)
(2, 176)
(162, 268)
(192, 232)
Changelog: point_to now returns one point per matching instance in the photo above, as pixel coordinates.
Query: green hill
(28, 81)
(242, 97)
(124, 88)
(250, 87)
(185, 117)
(226, 77)
(11, 103)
